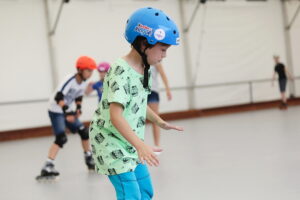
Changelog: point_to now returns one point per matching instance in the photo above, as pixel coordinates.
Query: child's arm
(59, 98)
(273, 78)
(78, 102)
(288, 73)
(165, 80)
(145, 152)
(160, 122)
(89, 88)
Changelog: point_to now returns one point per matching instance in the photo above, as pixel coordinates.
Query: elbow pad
(58, 97)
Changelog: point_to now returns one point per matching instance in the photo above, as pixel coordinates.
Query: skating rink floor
(246, 156)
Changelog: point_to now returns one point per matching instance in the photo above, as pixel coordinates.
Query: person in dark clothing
(283, 75)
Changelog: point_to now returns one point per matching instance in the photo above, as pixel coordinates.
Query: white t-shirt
(154, 74)
(70, 89)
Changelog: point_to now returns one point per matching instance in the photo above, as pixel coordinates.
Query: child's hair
(137, 43)
(139, 40)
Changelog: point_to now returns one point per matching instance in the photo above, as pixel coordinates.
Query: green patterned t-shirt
(112, 153)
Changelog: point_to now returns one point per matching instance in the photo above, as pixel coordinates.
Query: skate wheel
(91, 170)
(47, 179)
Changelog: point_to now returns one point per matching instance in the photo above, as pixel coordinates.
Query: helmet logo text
(143, 30)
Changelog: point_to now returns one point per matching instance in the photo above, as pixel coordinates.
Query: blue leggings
(134, 185)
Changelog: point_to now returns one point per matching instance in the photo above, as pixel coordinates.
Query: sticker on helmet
(159, 34)
(143, 30)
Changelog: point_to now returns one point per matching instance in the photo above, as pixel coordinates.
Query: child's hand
(146, 153)
(91, 84)
(167, 126)
(169, 95)
(78, 113)
(70, 118)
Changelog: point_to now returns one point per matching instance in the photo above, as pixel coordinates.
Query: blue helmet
(154, 25)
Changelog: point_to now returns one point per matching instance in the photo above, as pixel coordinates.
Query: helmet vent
(174, 32)
(156, 14)
(168, 18)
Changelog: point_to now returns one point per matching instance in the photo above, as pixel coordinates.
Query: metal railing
(235, 83)
(249, 82)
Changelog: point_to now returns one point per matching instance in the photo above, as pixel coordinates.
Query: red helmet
(85, 62)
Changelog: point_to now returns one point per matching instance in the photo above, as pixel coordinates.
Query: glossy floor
(247, 156)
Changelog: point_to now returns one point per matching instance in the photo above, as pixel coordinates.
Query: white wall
(234, 41)
(295, 38)
(238, 43)
(97, 30)
(25, 69)
(93, 28)
(24, 55)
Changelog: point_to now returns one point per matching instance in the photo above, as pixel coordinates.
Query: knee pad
(84, 133)
(60, 140)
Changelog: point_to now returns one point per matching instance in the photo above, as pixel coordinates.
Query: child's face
(276, 59)
(102, 75)
(156, 53)
(87, 73)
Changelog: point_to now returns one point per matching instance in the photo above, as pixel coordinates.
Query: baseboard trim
(46, 130)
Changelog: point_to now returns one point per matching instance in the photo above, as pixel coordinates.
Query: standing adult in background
(153, 98)
(283, 74)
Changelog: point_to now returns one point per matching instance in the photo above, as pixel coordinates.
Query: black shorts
(282, 84)
(153, 97)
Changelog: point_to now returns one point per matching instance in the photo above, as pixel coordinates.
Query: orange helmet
(85, 62)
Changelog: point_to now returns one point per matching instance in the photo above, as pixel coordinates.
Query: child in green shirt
(118, 125)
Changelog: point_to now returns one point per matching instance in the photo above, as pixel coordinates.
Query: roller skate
(89, 161)
(283, 106)
(48, 173)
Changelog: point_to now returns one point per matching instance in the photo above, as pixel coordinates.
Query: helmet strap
(145, 62)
